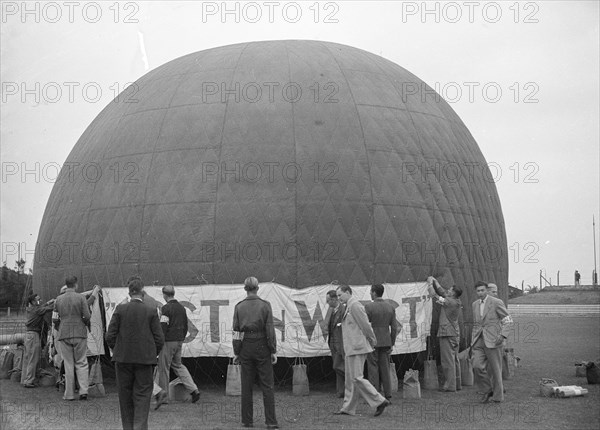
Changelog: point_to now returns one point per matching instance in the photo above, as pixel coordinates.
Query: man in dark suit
(136, 338)
(333, 324)
(382, 316)
(490, 329)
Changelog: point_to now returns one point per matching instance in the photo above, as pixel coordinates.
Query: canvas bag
(466, 367)
(393, 376)
(508, 360)
(411, 388)
(96, 384)
(430, 380)
(580, 368)
(233, 384)
(592, 373)
(6, 363)
(299, 379)
(547, 387)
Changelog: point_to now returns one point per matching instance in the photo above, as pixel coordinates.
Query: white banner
(298, 315)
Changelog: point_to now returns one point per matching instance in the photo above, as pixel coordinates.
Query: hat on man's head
(31, 297)
(168, 290)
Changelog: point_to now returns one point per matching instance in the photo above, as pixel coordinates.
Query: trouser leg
(125, 377)
(67, 353)
(373, 369)
(448, 365)
(31, 357)
(494, 368)
(480, 364)
(81, 364)
(265, 375)
(384, 370)
(142, 393)
(248, 375)
(181, 371)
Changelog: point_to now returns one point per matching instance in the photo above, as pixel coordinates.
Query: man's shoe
(195, 396)
(160, 399)
(272, 426)
(486, 397)
(341, 413)
(381, 407)
(83, 397)
(29, 385)
(248, 425)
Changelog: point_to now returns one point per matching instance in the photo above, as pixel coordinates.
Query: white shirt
(482, 305)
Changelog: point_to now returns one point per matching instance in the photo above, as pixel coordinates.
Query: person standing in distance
(135, 336)
(255, 346)
(333, 324)
(490, 329)
(174, 323)
(449, 333)
(382, 316)
(359, 340)
(71, 317)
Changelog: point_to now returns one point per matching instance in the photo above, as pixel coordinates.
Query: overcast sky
(541, 132)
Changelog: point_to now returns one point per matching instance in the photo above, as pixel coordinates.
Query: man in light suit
(136, 338)
(333, 327)
(491, 327)
(71, 317)
(359, 340)
(382, 316)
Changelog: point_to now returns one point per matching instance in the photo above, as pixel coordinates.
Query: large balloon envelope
(301, 162)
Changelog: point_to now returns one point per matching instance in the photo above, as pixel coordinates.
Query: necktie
(481, 308)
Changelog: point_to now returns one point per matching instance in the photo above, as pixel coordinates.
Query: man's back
(134, 333)
(74, 315)
(174, 321)
(382, 317)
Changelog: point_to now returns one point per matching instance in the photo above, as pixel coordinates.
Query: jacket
(357, 333)
(333, 329)
(134, 333)
(494, 326)
(382, 316)
(71, 315)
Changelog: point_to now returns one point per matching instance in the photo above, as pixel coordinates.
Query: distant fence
(517, 309)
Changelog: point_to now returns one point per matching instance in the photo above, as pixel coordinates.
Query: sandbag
(592, 372)
(547, 387)
(466, 367)
(299, 378)
(411, 388)
(233, 384)
(393, 376)
(508, 360)
(96, 383)
(581, 369)
(6, 363)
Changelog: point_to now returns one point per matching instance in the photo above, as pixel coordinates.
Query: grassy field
(547, 346)
(570, 297)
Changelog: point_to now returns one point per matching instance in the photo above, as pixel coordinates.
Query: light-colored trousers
(31, 357)
(170, 358)
(357, 385)
(73, 351)
(450, 362)
(487, 367)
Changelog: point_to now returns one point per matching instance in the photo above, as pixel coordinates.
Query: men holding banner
(490, 329)
(382, 316)
(255, 345)
(359, 340)
(333, 324)
(449, 334)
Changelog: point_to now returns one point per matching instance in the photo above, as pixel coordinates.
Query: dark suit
(382, 316)
(335, 341)
(489, 332)
(136, 338)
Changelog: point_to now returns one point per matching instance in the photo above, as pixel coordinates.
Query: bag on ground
(96, 384)
(6, 363)
(466, 367)
(581, 369)
(233, 385)
(393, 376)
(411, 388)
(592, 372)
(547, 387)
(299, 378)
(508, 360)
(177, 391)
